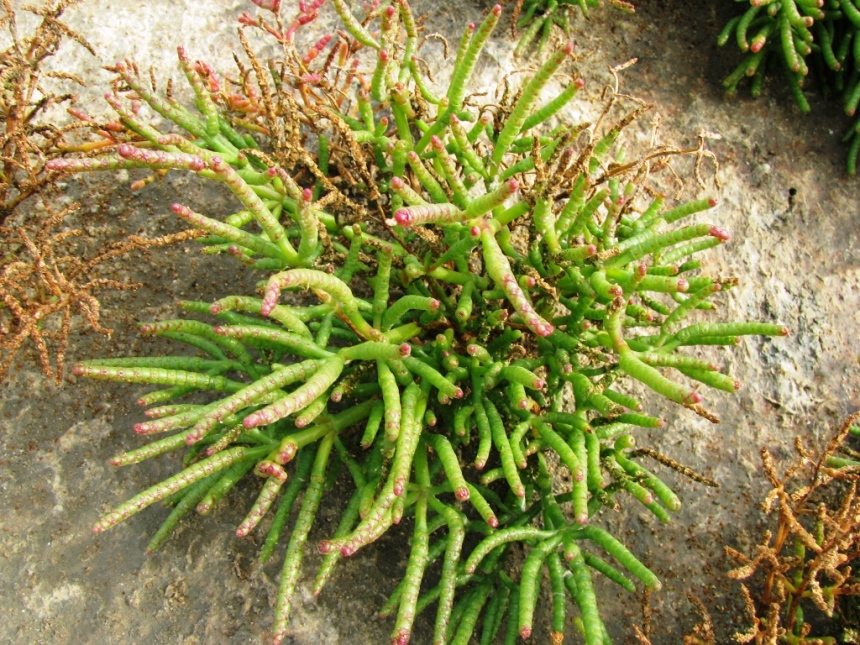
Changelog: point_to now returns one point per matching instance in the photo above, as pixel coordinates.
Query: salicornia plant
(537, 17)
(799, 37)
(453, 297)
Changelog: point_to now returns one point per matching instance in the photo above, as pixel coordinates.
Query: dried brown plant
(44, 281)
(806, 563)
(27, 138)
(43, 285)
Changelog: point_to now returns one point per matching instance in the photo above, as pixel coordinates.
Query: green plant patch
(453, 298)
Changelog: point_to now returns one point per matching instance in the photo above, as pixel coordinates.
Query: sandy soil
(794, 219)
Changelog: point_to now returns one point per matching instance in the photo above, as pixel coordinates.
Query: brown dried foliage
(27, 139)
(807, 561)
(44, 281)
(43, 285)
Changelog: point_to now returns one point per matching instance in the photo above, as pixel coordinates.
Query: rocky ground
(794, 219)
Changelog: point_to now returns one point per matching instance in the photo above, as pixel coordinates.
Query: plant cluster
(798, 36)
(805, 565)
(454, 294)
(44, 278)
(537, 17)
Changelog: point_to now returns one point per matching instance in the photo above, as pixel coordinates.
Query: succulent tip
(719, 233)
(401, 637)
(497, 10)
(712, 201)
(526, 631)
(568, 48)
(544, 330)
(403, 217)
(406, 349)
(285, 455)
(462, 494)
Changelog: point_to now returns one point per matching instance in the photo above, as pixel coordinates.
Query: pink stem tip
(719, 233)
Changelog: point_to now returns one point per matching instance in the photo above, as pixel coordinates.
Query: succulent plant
(454, 296)
(799, 36)
(537, 17)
